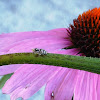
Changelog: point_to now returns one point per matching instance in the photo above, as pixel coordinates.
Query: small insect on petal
(39, 51)
(52, 94)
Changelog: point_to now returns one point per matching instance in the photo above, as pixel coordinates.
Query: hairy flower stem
(75, 62)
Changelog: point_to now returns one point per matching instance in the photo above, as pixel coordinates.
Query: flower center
(85, 33)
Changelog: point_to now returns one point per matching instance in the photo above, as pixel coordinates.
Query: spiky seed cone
(85, 33)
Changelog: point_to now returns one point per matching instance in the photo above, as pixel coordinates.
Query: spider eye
(36, 49)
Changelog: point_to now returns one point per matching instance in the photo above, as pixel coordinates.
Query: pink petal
(28, 45)
(7, 69)
(61, 86)
(33, 39)
(28, 79)
(98, 88)
(86, 86)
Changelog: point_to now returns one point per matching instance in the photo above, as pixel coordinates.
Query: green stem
(75, 62)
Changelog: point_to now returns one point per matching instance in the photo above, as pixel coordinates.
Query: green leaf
(4, 79)
(89, 64)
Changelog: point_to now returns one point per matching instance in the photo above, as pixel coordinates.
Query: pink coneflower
(81, 38)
